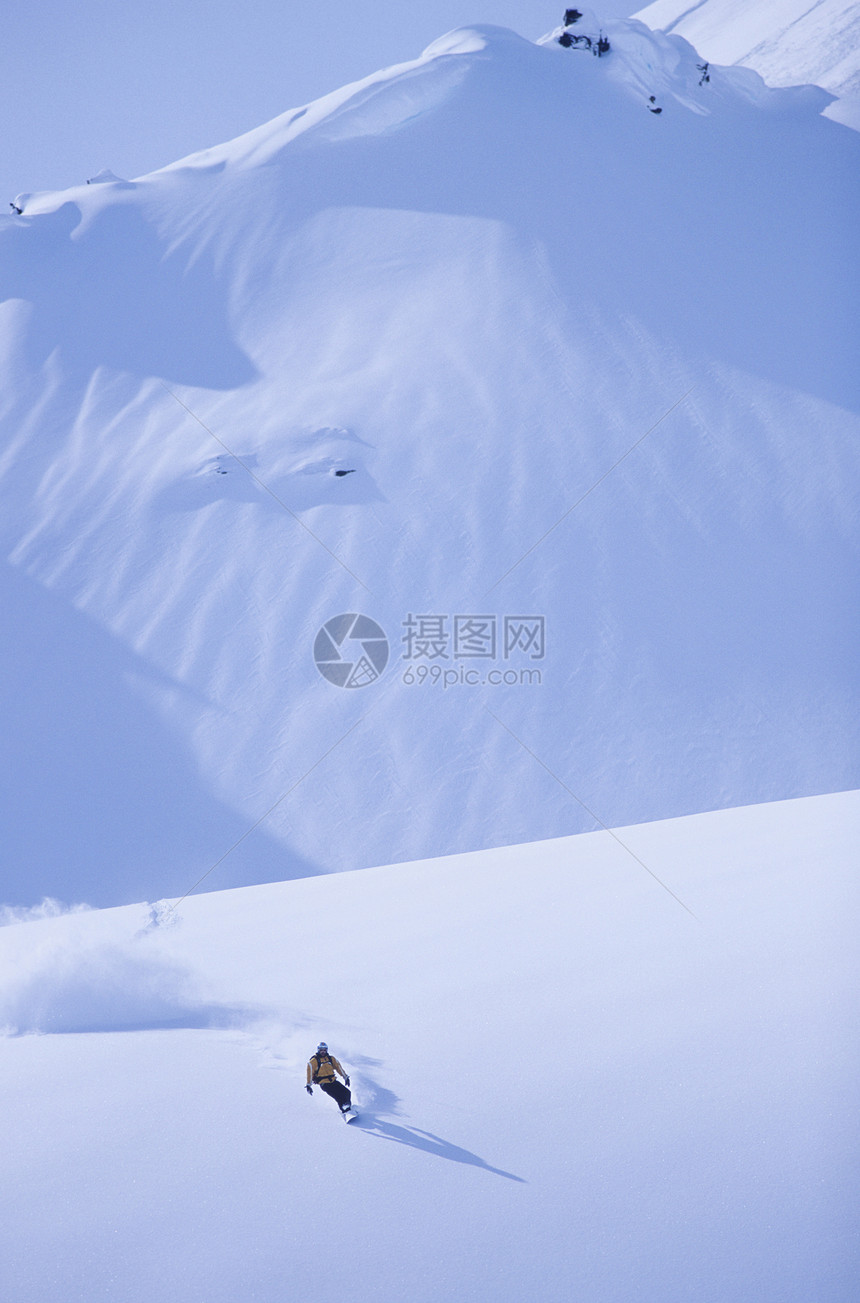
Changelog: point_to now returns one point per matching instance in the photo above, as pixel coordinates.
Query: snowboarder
(322, 1068)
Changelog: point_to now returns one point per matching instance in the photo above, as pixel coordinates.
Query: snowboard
(350, 1116)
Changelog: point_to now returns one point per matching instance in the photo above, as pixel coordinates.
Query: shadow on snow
(377, 1101)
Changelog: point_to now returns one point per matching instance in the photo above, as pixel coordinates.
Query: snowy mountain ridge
(643, 61)
(545, 383)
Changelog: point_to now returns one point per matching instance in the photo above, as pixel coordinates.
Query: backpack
(319, 1060)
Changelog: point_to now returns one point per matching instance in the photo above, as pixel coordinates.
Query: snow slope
(787, 41)
(580, 361)
(570, 1087)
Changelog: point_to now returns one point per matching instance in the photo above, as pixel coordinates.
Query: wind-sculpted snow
(483, 336)
(105, 291)
(88, 766)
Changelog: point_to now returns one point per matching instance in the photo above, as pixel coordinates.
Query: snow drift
(485, 336)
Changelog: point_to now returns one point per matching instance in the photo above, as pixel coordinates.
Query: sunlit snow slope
(570, 1089)
(578, 360)
(787, 41)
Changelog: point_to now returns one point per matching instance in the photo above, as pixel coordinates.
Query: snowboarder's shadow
(376, 1101)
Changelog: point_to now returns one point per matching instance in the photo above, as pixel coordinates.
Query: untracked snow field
(576, 1082)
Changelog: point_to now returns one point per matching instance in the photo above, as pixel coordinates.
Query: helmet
(322, 1046)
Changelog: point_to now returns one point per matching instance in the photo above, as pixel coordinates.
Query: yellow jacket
(322, 1068)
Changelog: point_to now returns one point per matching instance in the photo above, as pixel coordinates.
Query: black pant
(338, 1093)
